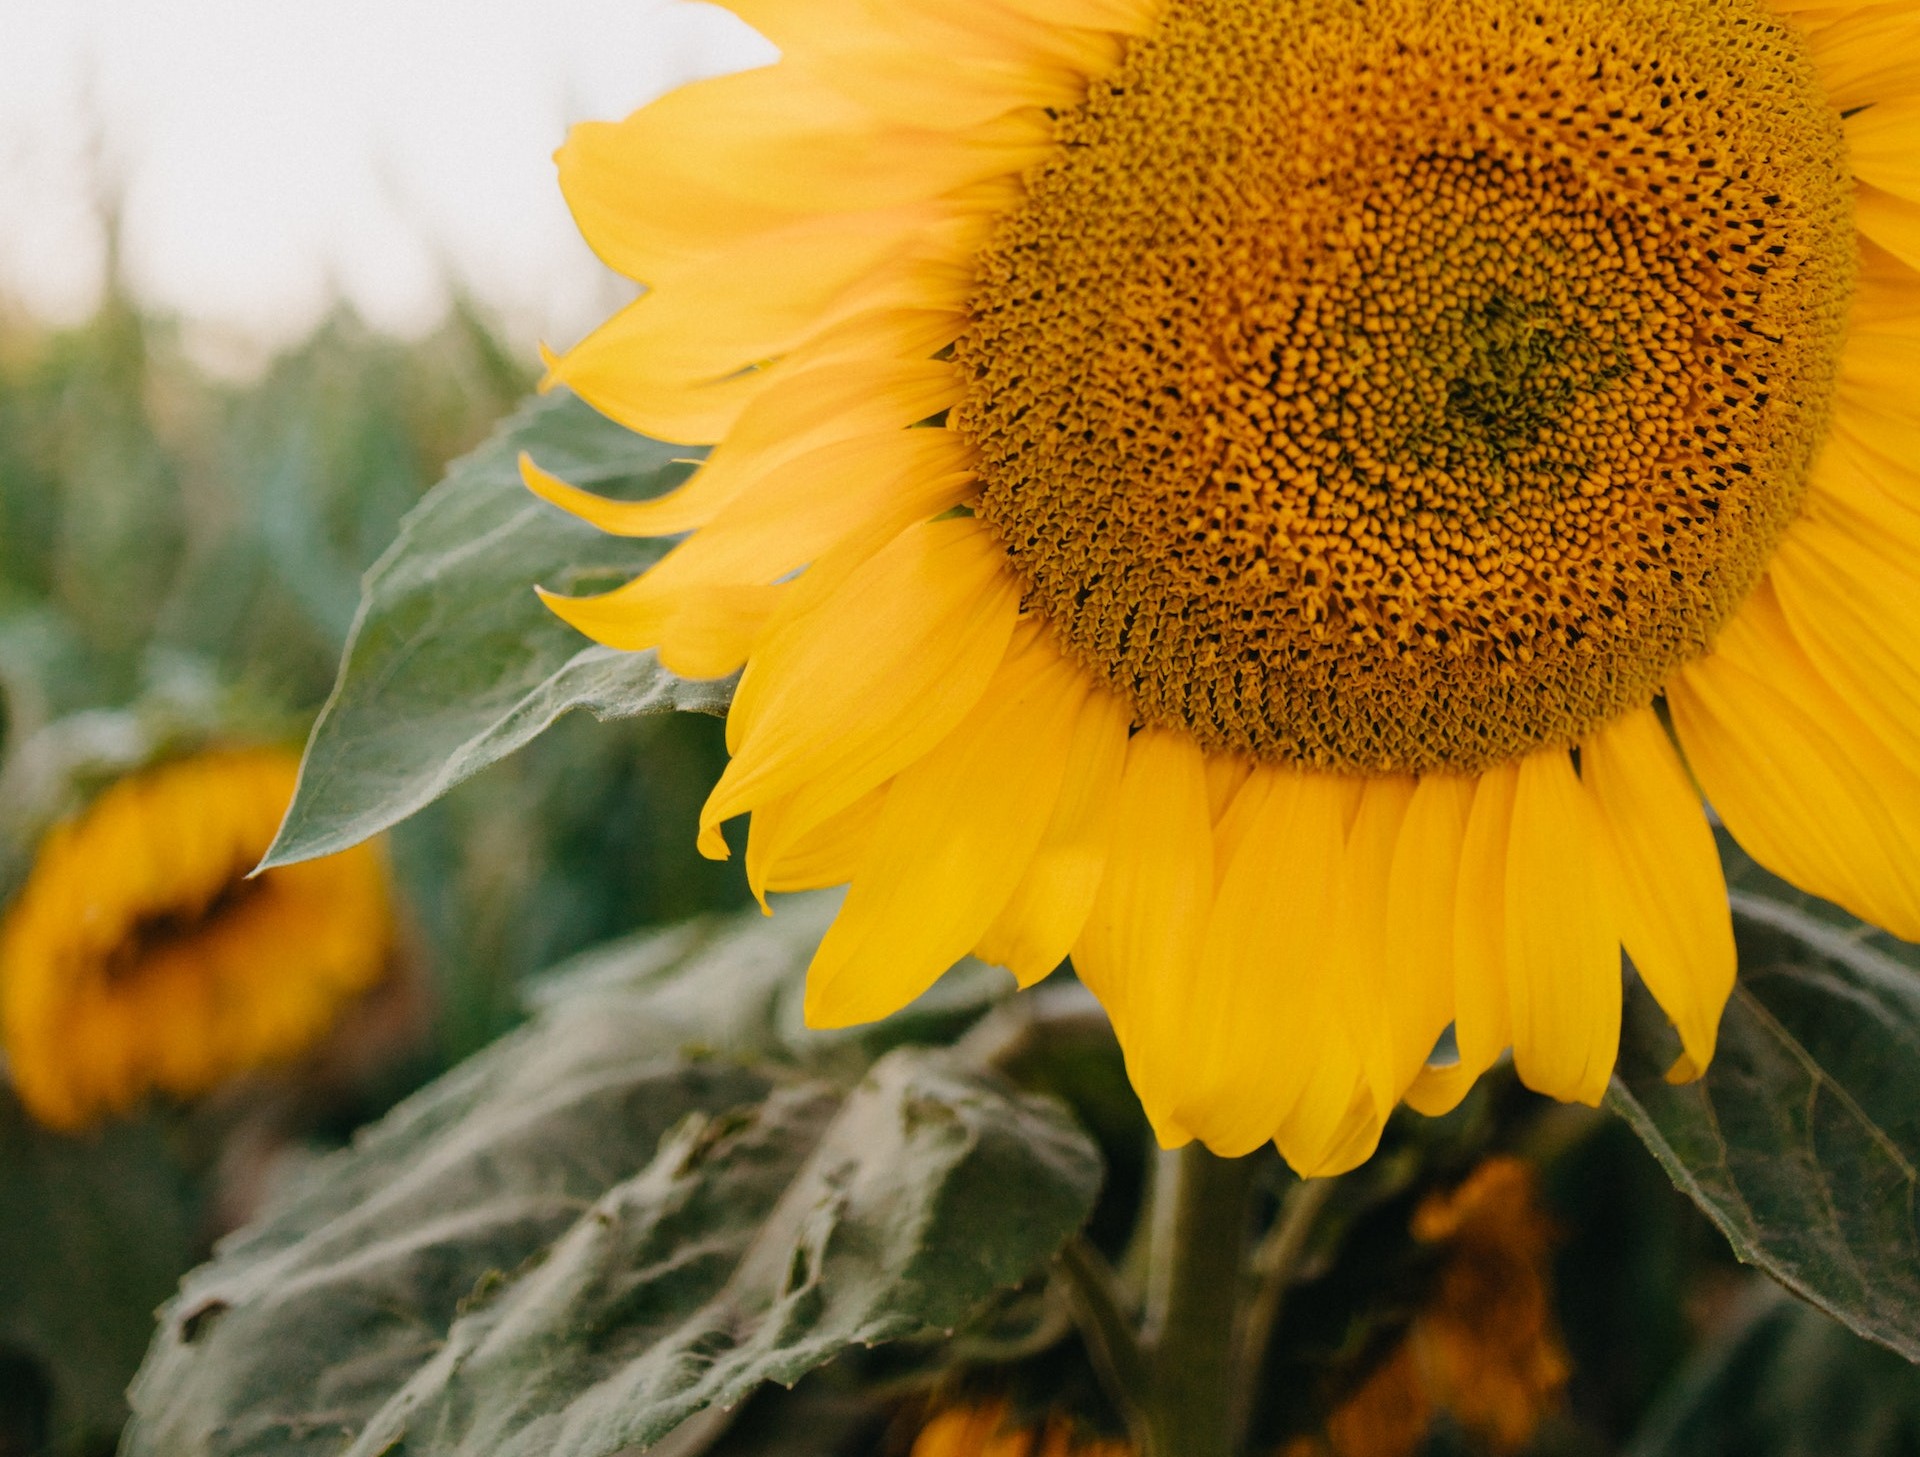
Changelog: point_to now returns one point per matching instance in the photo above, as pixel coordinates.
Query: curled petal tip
(1685, 1070)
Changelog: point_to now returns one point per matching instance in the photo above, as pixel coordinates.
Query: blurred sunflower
(139, 957)
(988, 1430)
(1482, 1348)
(1297, 504)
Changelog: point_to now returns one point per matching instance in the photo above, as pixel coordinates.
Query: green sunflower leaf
(1802, 1143)
(453, 662)
(593, 1230)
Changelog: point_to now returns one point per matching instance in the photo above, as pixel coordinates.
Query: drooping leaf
(453, 662)
(657, 1195)
(1802, 1143)
(754, 1248)
(93, 1232)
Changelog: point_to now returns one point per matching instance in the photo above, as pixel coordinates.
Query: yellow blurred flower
(1483, 1348)
(138, 957)
(1292, 504)
(986, 1431)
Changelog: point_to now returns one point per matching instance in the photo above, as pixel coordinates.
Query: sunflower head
(1463, 362)
(1292, 504)
(140, 957)
(1482, 1347)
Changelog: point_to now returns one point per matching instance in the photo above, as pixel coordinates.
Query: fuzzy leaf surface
(656, 1196)
(755, 1248)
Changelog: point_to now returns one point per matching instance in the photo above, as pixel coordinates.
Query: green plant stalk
(1274, 1268)
(1199, 1281)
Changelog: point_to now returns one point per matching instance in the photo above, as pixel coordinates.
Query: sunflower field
(1201, 739)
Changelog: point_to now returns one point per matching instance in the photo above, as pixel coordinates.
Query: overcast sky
(274, 154)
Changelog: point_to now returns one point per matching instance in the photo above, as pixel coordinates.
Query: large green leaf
(453, 662)
(755, 1247)
(1802, 1143)
(651, 1199)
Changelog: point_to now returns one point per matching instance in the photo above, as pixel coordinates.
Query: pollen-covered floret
(1407, 385)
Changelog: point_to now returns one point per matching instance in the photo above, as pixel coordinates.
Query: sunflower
(138, 956)
(1295, 503)
(989, 1430)
(1482, 1347)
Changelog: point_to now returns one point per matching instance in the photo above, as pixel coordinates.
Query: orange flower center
(1409, 384)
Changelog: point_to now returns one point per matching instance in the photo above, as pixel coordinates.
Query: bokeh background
(266, 267)
(264, 270)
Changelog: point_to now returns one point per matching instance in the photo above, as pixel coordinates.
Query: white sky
(276, 154)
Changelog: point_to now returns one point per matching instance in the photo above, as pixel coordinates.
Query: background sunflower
(593, 1185)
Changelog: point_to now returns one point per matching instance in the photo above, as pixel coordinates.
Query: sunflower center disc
(1407, 384)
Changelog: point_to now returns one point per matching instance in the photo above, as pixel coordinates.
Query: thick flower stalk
(1294, 505)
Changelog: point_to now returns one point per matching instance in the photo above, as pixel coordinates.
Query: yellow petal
(1225, 774)
(993, 59)
(1876, 402)
(1266, 1024)
(851, 694)
(1674, 914)
(1341, 1148)
(713, 632)
(1857, 615)
(798, 510)
(761, 298)
(828, 854)
(1883, 143)
(1867, 56)
(782, 139)
(1122, 17)
(697, 414)
(1805, 787)
(710, 626)
(872, 484)
(1440, 1088)
(1049, 908)
(1015, 36)
(1483, 1023)
(1367, 983)
(954, 838)
(1563, 942)
(804, 411)
(1822, 12)
(642, 213)
(1422, 891)
(1890, 220)
(1141, 941)
(1858, 487)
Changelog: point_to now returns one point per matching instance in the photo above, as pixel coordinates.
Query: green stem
(1276, 1264)
(1093, 1294)
(1201, 1211)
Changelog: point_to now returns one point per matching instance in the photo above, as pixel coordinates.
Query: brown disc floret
(1409, 384)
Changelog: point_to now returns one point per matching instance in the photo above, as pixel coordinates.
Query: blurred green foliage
(162, 532)
(180, 559)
